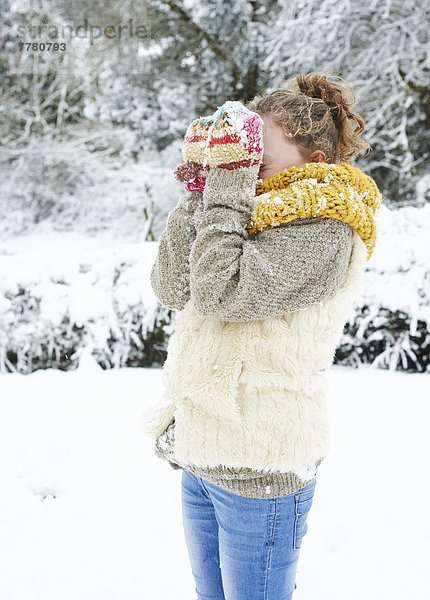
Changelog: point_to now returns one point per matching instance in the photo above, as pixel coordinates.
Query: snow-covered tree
(205, 51)
(381, 48)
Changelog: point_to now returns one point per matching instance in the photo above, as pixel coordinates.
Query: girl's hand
(235, 139)
(191, 172)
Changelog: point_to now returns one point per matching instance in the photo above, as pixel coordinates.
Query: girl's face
(279, 154)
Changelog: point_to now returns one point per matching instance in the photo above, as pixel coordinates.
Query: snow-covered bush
(79, 292)
(390, 327)
(385, 339)
(51, 308)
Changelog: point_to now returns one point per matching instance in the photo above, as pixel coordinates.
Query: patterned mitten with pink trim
(192, 172)
(235, 139)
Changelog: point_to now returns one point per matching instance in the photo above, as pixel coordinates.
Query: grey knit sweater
(206, 254)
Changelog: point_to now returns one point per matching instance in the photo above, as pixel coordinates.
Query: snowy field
(89, 512)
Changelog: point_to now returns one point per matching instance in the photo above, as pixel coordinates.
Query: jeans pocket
(303, 501)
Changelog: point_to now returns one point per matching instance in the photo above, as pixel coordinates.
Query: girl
(263, 258)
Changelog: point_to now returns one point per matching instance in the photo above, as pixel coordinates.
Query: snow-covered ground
(89, 512)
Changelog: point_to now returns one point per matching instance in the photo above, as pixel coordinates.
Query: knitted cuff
(189, 202)
(234, 188)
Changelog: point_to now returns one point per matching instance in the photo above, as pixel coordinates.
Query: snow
(94, 282)
(89, 512)
(397, 275)
(79, 272)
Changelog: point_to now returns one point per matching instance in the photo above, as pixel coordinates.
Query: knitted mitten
(192, 172)
(235, 140)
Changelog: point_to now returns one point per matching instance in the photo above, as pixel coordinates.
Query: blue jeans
(243, 548)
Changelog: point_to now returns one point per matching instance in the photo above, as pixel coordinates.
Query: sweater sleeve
(237, 277)
(170, 273)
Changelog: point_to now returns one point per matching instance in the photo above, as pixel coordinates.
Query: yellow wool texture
(333, 190)
(194, 152)
(228, 147)
(195, 141)
(227, 153)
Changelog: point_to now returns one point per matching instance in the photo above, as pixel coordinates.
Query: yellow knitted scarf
(333, 190)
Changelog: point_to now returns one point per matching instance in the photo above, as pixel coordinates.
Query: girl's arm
(170, 274)
(234, 277)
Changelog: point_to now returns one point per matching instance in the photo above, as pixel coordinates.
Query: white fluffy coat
(249, 394)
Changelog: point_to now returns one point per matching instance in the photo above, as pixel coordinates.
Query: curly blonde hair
(316, 114)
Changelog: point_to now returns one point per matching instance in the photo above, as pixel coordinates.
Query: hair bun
(317, 112)
(337, 98)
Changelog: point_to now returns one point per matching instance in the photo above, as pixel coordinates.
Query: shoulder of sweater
(316, 227)
(320, 222)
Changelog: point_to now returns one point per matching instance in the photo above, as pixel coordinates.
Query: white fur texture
(248, 394)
